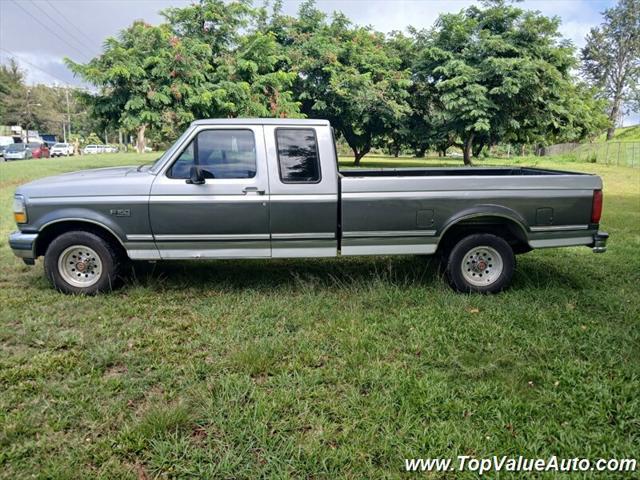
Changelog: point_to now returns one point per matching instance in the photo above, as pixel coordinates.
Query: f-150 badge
(120, 212)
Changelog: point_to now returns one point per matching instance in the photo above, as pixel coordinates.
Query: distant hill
(623, 134)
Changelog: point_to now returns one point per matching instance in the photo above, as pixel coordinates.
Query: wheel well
(507, 229)
(49, 233)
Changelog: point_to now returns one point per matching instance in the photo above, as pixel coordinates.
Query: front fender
(77, 214)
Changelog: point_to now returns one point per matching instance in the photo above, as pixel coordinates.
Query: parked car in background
(91, 149)
(62, 149)
(5, 141)
(39, 150)
(17, 151)
(111, 149)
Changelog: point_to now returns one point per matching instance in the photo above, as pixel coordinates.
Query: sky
(40, 33)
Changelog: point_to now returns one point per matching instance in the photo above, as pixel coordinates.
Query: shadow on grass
(266, 275)
(322, 274)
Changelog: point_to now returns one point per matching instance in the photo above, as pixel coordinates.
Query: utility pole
(28, 114)
(66, 91)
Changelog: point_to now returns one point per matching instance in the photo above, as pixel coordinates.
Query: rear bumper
(599, 244)
(23, 246)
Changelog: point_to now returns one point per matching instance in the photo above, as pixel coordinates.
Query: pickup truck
(271, 188)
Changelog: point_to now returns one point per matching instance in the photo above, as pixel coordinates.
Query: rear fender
(488, 211)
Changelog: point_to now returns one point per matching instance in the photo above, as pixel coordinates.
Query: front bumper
(599, 244)
(24, 246)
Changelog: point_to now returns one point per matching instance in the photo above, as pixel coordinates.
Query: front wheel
(481, 263)
(82, 263)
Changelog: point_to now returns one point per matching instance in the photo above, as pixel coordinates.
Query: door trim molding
(189, 238)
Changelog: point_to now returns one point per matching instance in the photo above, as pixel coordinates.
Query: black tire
(110, 262)
(466, 267)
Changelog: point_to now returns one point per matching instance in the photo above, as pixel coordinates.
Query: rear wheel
(481, 263)
(82, 263)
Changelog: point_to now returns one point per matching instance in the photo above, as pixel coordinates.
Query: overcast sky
(39, 33)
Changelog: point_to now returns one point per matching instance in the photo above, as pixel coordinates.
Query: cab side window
(298, 160)
(220, 154)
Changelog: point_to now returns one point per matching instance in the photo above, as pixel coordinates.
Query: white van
(91, 149)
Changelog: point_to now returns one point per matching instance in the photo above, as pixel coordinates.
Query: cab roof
(261, 121)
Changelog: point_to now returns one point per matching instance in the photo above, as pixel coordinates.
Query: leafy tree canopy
(348, 75)
(611, 58)
(490, 73)
(499, 73)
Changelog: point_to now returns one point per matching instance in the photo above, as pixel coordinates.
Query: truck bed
(451, 172)
(407, 210)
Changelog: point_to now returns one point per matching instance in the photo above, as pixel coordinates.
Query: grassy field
(623, 134)
(337, 368)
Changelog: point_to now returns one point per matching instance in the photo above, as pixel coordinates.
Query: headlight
(19, 209)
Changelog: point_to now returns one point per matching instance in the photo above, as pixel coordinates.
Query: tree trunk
(358, 154)
(613, 118)
(140, 141)
(396, 152)
(467, 150)
(477, 149)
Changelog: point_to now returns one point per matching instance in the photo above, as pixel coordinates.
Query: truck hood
(90, 183)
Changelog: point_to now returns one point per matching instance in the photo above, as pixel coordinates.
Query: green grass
(319, 368)
(623, 134)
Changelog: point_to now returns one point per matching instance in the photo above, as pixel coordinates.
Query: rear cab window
(298, 160)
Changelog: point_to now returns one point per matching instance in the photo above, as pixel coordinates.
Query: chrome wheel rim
(80, 266)
(482, 266)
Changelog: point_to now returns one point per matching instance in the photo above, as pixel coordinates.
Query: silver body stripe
(559, 228)
(94, 199)
(187, 238)
(186, 199)
(421, 249)
(561, 242)
(139, 238)
(390, 233)
(302, 236)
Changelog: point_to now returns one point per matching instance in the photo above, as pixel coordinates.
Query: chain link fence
(610, 153)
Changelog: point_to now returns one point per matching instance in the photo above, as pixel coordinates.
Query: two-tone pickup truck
(271, 188)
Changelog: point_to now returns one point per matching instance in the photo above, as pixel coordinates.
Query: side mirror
(196, 177)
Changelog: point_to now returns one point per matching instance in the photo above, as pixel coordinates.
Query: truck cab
(236, 189)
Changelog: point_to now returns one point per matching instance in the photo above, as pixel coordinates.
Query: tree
(208, 60)
(611, 57)
(347, 75)
(253, 81)
(499, 74)
(149, 78)
(12, 94)
(245, 58)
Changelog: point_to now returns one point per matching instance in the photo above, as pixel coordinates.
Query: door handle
(246, 190)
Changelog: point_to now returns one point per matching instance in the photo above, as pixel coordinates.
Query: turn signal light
(19, 209)
(596, 206)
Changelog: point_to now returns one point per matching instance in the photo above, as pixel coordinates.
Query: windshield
(16, 147)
